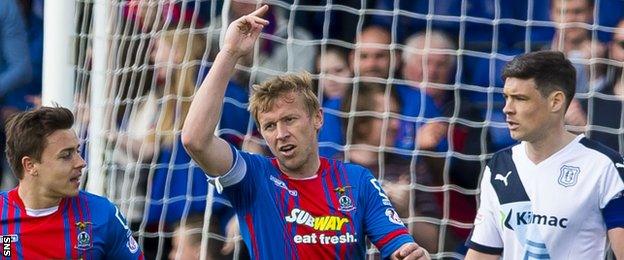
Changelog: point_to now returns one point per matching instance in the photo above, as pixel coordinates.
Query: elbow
(188, 142)
(194, 143)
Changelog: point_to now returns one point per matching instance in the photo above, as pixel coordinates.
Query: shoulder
(92, 198)
(353, 171)
(349, 167)
(98, 205)
(601, 150)
(256, 159)
(5, 199)
(502, 159)
(602, 154)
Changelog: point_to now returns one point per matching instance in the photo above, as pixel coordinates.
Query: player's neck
(307, 170)
(552, 142)
(35, 197)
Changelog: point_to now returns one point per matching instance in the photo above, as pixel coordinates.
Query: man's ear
(29, 166)
(318, 119)
(557, 101)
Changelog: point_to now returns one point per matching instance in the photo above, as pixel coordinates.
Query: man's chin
(288, 164)
(516, 136)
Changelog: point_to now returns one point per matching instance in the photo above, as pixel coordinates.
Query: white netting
(148, 174)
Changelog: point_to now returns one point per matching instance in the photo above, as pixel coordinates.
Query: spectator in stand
(15, 66)
(427, 68)
(372, 57)
(150, 133)
(21, 98)
(369, 143)
(576, 42)
(334, 82)
(335, 76)
(372, 60)
(605, 109)
(164, 108)
(144, 17)
(429, 65)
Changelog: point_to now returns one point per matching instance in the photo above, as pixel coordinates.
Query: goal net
(158, 51)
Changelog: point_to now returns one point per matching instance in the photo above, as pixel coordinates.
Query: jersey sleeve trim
(234, 175)
(612, 213)
(484, 249)
(394, 244)
(615, 157)
(387, 238)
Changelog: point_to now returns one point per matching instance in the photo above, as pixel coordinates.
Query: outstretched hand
(242, 34)
(410, 251)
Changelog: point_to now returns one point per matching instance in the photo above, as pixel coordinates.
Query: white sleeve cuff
(233, 176)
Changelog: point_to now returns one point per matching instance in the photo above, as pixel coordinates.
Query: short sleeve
(612, 195)
(239, 185)
(120, 243)
(383, 226)
(485, 236)
(611, 183)
(235, 175)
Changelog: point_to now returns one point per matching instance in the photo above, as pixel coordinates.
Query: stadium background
(106, 60)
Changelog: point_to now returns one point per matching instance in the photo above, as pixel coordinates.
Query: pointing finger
(260, 11)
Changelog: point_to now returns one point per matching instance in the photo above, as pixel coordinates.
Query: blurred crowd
(412, 91)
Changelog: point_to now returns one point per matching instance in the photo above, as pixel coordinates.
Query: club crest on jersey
(346, 204)
(83, 238)
(132, 245)
(569, 175)
(393, 216)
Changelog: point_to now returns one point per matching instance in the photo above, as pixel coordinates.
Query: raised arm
(209, 151)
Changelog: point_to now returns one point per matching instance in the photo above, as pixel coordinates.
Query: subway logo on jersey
(322, 223)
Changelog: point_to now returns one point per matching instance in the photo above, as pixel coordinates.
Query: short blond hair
(264, 95)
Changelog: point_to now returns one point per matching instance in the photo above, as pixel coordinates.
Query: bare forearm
(204, 114)
(208, 151)
(205, 109)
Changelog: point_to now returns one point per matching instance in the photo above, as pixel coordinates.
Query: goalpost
(99, 60)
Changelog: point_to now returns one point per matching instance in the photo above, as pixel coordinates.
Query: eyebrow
(69, 149)
(515, 95)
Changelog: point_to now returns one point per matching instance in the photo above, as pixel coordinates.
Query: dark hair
(550, 70)
(365, 103)
(27, 131)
